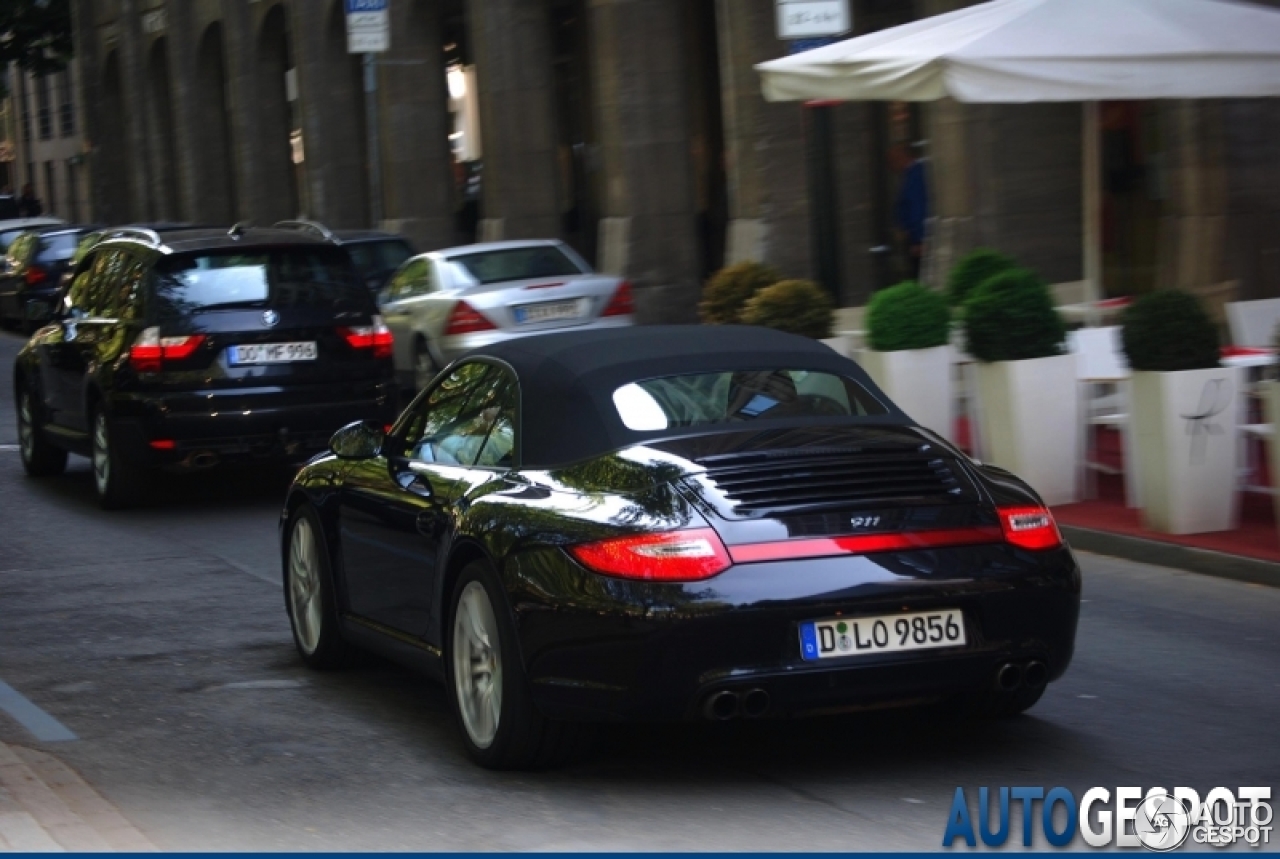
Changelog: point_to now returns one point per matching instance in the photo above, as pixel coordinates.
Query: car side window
(414, 279)
(20, 250)
(469, 419)
(128, 294)
(91, 292)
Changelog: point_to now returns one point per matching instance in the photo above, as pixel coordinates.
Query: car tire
(119, 482)
(309, 596)
(40, 458)
(488, 691)
(424, 366)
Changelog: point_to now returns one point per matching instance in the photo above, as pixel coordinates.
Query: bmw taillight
(674, 556)
(465, 319)
(623, 302)
(36, 275)
(377, 337)
(149, 351)
(1029, 527)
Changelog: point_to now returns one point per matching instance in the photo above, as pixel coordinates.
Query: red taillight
(163, 444)
(149, 352)
(36, 275)
(823, 547)
(676, 556)
(377, 337)
(465, 319)
(1029, 527)
(622, 303)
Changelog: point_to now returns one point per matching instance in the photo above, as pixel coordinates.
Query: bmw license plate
(890, 633)
(551, 311)
(271, 353)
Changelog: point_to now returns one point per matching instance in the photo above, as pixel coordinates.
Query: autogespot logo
(1158, 820)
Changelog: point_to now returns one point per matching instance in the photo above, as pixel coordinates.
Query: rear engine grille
(760, 484)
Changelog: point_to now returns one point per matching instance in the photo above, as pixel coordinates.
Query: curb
(1202, 561)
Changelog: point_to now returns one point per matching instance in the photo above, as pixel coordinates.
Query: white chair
(1103, 375)
(1253, 323)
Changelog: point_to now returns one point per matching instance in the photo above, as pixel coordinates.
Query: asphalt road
(159, 638)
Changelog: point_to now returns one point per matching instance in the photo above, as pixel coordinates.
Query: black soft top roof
(567, 380)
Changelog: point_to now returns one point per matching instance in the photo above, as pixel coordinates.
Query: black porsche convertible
(666, 523)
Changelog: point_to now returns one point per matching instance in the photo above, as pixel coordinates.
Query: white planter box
(1030, 417)
(1184, 433)
(918, 381)
(839, 343)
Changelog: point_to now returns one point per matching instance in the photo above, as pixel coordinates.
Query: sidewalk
(45, 807)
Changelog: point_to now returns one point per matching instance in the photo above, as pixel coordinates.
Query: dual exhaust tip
(725, 705)
(1012, 675)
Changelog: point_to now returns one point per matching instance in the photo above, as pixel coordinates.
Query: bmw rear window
(287, 277)
(702, 399)
(58, 247)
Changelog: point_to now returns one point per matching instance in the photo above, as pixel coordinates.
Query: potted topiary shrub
(731, 288)
(1182, 415)
(910, 356)
(973, 270)
(1028, 405)
(795, 306)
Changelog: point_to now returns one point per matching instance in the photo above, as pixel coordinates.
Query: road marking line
(42, 726)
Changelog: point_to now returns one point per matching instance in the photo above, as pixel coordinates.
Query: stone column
(331, 93)
(1193, 226)
(769, 218)
(511, 42)
(142, 186)
(649, 232)
(188, 133)
(417, 164)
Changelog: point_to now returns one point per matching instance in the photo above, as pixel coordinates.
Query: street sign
(806, 19)
(368, 26)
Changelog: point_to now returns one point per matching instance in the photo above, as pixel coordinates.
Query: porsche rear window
(704, 399)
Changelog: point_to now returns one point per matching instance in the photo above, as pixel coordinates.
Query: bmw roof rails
(239, 228)
(306, 226)
(151, 237)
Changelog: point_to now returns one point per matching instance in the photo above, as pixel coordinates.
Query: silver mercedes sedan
(444, 303)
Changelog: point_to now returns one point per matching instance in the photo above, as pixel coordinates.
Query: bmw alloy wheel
(305, 603)
(26, 427)
(101, 454)
(477, 665)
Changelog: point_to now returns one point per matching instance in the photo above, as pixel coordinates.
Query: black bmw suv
(200, 347)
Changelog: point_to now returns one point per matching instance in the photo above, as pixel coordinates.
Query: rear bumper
(638, 651)
(263, 425)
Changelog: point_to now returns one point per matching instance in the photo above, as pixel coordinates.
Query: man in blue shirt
(912, 207)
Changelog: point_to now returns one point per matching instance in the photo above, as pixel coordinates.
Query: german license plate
(890, 633)
(272, 353)
(550, 311)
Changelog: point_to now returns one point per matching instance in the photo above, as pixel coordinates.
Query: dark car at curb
(33, 272)
(199, 347)
(375, 254)
(673, 524)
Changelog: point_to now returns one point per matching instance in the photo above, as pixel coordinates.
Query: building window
(44, 114)
(66, 105)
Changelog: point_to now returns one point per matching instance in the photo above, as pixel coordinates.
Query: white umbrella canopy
(1021, 51)
(1016, 51)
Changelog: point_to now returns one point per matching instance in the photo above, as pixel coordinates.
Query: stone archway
(217, 197)
(111, 162)
(164, 167)
(277, 197)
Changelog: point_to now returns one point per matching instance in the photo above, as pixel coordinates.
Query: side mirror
(360, 440)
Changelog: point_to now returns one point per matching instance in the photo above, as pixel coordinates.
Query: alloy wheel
(101, 454)
(477, 665)
(304, 586)
(26, 427)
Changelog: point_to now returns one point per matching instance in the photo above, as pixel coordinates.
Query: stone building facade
(42, 140)
(635, 130)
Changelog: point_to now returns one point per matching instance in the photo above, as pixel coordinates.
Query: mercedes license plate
(890, 633)
(551, 311)
(272, 353)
